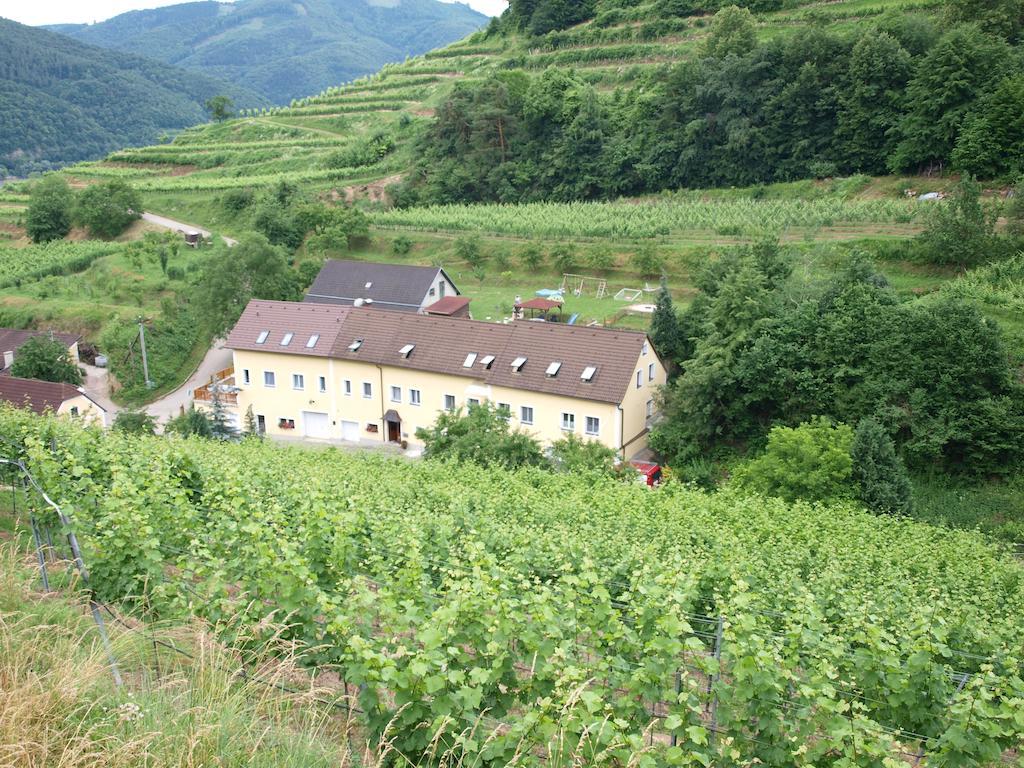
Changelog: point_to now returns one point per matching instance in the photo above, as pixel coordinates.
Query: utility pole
(145, 362)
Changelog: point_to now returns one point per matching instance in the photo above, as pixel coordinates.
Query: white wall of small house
(418, 397)
(635, 422)
(434, 292)
(85, 409)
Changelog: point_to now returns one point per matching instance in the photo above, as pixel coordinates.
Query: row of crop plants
(543, 618)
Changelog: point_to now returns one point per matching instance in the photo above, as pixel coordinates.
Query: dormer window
(312, 341)
(470, 359)
(407, 350)
(518, 363)
(588, 373)
(355, 345)
(487, 361)
(262, 338)
(287, 339)
(552, 370)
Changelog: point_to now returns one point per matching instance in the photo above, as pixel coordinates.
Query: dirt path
(178, 226)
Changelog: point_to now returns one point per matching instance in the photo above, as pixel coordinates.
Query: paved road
(170, 405)
(178, 226)
(97, 385)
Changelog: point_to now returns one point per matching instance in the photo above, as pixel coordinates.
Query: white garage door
(316, 424)
(350, 431)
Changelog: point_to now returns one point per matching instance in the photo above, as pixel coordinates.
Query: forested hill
(284, 49)
(762, 94)
(62, 101)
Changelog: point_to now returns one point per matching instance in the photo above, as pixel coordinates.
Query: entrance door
(394, 432)
(316, 425)
(350, 431)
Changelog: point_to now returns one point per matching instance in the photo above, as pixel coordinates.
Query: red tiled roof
(443, 344)
(35, 394)
(449, 305)
(301, 319)
(11, 339)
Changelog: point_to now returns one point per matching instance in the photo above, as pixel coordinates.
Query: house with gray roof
(397, 287)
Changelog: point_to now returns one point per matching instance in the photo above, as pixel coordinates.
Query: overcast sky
(77, 11)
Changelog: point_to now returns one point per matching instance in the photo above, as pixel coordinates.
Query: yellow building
(44, 396)
(370, 375)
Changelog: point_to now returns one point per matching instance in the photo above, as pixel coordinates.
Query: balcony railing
(224, 381)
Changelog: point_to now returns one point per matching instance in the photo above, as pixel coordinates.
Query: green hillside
(279, 48)
(62, 101)
(635, 101)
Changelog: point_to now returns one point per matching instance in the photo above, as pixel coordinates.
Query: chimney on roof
(8, 359)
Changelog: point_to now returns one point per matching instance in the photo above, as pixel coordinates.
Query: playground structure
(581, 285)
(629, 294)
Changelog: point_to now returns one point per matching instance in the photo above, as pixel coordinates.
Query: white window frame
(507, 408)
(597, 425)
(368, 390)
(415, 396)
(298, 381)
(472, 402)
(348, 387)
(398, 390)
(322, 383)
(568, 424)
(639, 379)
(444, 401)
(522, 414)
(650, 372)
(271, 378)
(245, 376)
(650, 408)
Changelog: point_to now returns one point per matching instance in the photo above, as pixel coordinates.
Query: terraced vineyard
(544, 618)
(617, 49)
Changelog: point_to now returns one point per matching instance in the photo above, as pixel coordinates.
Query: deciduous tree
(50, 209)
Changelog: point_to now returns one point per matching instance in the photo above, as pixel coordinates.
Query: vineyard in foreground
(537, 619)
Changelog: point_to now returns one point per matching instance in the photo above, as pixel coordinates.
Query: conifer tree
(884, 485)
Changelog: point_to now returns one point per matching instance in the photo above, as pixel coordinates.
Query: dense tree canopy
(895, 96)
(934, 374)
(107, 209)
(49, 209)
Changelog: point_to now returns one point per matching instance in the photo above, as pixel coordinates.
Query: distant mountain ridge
(62, 101)
(283, 49)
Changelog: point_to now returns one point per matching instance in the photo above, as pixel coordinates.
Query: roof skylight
(262, 337)
(588, 373)
(407, 350)
(355, 345)
(312, 341)
(552, 370)
(518, 363)
(487, 360)
(470, 359)
(287, 339)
